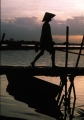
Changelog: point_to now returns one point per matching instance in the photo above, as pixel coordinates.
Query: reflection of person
(46, 42)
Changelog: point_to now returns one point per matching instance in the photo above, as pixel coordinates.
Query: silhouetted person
(46, 42)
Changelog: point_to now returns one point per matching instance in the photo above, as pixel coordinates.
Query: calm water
(24, 58)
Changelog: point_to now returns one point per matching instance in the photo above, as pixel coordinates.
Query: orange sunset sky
(22, 19)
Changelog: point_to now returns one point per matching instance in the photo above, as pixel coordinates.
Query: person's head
(48, 20)
(47, 17)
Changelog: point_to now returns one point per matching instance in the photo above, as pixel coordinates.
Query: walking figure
(46, 42)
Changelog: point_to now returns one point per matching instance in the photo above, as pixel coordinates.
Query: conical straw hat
(47, 16)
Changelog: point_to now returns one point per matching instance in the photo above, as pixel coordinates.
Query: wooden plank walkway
(41, 70)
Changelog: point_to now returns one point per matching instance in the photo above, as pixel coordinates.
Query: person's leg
(53, 57)
(37, 57)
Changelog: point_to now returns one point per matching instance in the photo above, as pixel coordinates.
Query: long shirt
(46, 37)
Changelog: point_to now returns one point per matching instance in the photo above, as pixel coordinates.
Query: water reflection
(36, 93)
(79, 83)
(41, 95)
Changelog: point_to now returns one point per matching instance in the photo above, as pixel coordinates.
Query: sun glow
(72, 38)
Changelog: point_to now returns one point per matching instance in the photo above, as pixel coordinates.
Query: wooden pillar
(67, 32)
(80, 52)
(3, 36)
(66, 64)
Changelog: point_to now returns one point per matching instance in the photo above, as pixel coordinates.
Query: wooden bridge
(42, 70)
(63, 72)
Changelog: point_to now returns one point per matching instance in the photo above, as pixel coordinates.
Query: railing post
(80, 52)
(66, 64)
(3, 36)
(67, 33)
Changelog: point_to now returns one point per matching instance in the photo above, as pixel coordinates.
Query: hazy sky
(22, 19)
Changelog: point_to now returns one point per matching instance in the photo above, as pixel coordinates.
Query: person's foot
(32, 64)
(54, 66)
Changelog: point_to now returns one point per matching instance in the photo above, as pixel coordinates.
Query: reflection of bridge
(65, 73)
